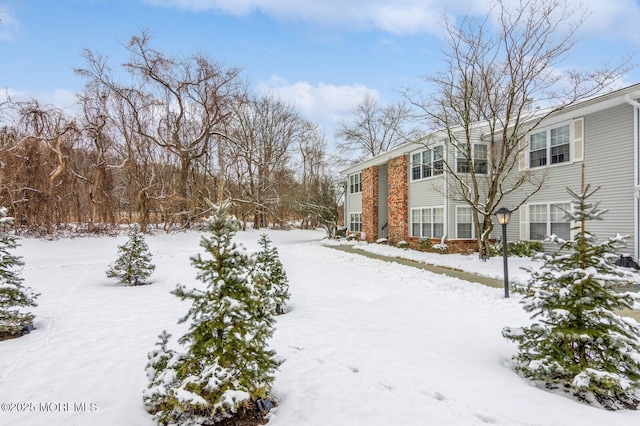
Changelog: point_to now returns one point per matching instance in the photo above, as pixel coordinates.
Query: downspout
(346, 206)
(636, 177)
(446, 197)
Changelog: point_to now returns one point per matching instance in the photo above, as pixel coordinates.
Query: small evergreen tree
(133, 265)
(226, 364)
(162, 378)
(578, 344)
(13, 295)
(276, 287)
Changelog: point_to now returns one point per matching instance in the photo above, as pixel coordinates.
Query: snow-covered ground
(366, 342)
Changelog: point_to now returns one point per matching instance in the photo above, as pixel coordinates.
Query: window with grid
(354, 183)
(547, 219)
(551, 146)
(478, 155)
(427, 163)
(427, 222)
(560, 144)
(464, 222)
(355, 222)
(557, 225)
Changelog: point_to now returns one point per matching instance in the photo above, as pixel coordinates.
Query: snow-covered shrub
(425, 244)
(276, 284)
(133, 266)
(382, 241)
(226, 365)
(578, 344)
(402, 244)
(518, 248)
(440, 248)
(13, 295)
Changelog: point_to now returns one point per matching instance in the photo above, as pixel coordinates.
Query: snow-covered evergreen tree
(133, 265)
(162, 378)
(227, 364)
(13, 295)
(276, 286)
(578, 345)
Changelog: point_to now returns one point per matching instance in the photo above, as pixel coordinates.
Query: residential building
(402, 194)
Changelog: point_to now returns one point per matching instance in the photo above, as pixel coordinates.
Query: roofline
(596, 103)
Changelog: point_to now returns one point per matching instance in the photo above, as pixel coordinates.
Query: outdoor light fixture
(504, 216)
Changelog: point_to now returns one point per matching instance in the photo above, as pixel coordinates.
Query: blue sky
(320, 55)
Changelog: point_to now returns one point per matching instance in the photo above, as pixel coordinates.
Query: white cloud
(324, 104)
(392, 16)
(9, 25)
(616, 19)
(61, 98)
(405, 17)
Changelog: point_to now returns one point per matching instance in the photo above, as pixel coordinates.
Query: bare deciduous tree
(264, 133)
(496, 67)
(374, 129)
(35, 155)
(188, 100)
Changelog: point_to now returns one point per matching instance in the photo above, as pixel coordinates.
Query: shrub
(402, 244)
(425, 244)
(440, 248)
(518, 248)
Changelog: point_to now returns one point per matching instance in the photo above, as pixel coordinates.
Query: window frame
(423, 213)
(431, 163)
(473, 231)
(561, 152)
(355, 185)
(462, 159)
(551, 218)
(353, 222)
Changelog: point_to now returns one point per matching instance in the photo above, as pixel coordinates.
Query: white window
(354, 183)
(547, 219)
(550, 146)
(464, 223)
(478, 156)
(355, 222)
(427, 222)
(427, 163)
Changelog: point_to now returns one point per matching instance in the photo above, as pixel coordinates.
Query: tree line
(158, 143)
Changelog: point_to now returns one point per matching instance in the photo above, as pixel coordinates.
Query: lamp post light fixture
(504, 216)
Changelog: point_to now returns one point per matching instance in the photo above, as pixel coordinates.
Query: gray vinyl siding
(354, 203)
(426, 192)
(608, 159)
(609, 165)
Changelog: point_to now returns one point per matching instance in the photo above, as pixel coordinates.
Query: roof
(597, 103)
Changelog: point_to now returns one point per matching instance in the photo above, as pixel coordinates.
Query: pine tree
(162, 378)
(13, 295)
(133, 265)
(226, 364)
(276, 286)
(579, 345)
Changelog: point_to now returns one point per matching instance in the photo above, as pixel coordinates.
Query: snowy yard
(366, 342)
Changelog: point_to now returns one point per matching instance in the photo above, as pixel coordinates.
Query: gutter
(636, 172)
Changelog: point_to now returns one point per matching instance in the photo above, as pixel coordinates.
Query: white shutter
(578, 139)
(523, 154)
(524, 222)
